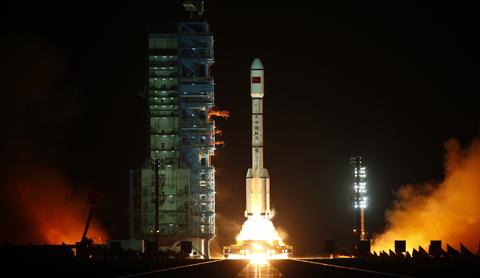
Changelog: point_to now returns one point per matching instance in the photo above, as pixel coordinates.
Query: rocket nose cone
(256, 64)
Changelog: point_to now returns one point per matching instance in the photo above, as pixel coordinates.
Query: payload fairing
(258, 180)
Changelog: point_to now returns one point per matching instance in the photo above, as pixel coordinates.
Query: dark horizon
(392, 85)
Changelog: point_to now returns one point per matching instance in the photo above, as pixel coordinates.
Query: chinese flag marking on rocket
(256, 79)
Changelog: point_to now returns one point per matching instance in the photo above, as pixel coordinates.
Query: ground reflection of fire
(448, 211)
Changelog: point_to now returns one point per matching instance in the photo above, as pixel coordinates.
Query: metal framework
(359, 198)
(182, 135)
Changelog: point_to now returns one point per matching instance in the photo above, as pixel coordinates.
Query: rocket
(258, 180)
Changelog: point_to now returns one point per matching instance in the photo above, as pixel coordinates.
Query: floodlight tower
(359, 198)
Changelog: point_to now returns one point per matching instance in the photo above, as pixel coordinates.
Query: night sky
(391, 85)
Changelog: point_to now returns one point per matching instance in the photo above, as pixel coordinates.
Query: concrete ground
(371, 267)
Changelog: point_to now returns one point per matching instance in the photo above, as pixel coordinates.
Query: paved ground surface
(275, 268)
(371, 267)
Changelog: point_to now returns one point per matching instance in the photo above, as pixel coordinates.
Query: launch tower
(172, 198)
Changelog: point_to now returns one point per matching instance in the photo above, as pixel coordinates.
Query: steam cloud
(448, 211)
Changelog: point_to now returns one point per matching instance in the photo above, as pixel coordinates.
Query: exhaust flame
(448, 211)
(259, 228)
(260, 241)
(47, 210)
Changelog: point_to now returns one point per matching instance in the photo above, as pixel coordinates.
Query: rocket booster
(258, 180)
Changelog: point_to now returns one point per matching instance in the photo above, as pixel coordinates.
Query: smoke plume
(45, 209)
(39, 109)
(226, 229)
(447, 211)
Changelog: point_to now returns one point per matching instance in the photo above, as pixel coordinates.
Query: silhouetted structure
(359, 198)
(400, 246)
(364, 248)
(435, 248)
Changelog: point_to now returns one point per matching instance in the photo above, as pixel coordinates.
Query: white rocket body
(258, 180)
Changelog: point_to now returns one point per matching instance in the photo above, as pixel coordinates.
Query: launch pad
(257, 248)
